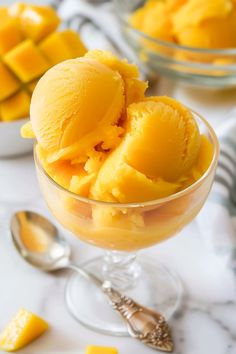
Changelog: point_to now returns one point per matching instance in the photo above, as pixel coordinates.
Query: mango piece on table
(23, 329)
(37, 22)
(55, 49)
(10, 35)
(26, 61)
(91, 349)
(15, 107)
(74, 43)
(9, 83)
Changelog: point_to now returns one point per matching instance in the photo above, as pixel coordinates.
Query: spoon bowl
(39, 242)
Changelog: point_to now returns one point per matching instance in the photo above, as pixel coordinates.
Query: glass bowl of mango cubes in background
(31, 42)
(192, 40)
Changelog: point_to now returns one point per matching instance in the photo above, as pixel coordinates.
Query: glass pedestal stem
(121, 269)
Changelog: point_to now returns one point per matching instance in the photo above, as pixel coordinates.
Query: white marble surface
(206, 323)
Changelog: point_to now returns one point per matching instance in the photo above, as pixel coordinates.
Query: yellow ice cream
(99, 137)
(79, 104)
(145, 19)
(206, 24)
(163, 139)
(193, 23)
(156, 155)
(75, 100)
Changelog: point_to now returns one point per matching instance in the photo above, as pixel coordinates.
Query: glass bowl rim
(150, 202)
(219, 51)
(9, 123)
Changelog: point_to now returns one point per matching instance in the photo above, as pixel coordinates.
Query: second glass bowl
(214, 68)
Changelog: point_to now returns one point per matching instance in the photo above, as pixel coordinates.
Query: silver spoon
(39, 243)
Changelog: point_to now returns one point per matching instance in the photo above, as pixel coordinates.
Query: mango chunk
(15, 107)
(91, 349)
(37, 22)
(23, 329)
(55, 49)
(74, 42)
(9, 84)
(60, 46)
(26, 61)
(10, 35)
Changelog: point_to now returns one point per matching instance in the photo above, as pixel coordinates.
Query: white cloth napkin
(106, 36)
(217, 220)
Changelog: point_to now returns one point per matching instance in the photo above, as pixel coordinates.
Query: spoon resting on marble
(40, 244)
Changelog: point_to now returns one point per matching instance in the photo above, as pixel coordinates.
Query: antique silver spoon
(39, 243)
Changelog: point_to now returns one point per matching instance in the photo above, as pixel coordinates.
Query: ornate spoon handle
(146, 325)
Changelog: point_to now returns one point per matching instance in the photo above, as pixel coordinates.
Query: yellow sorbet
(157, 156)
(193, 23)
(99, 137)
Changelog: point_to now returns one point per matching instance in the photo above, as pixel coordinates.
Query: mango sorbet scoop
(84, 88)
(194, 23)
(80, 104)
(99, 137)
(156, 156)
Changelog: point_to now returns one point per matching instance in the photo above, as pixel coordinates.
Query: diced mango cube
(55, 48)
(10, 35)
(23, 329)
(9, 84)
(26, 61)
(74, 42)
(31, 85)
(15, 107)
(63, 45)
(91, 349)
(38, 21)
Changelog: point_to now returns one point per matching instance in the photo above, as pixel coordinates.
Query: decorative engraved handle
(148, 326)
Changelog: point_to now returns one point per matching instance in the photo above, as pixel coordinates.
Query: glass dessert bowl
(196, 65)
(121, 230)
